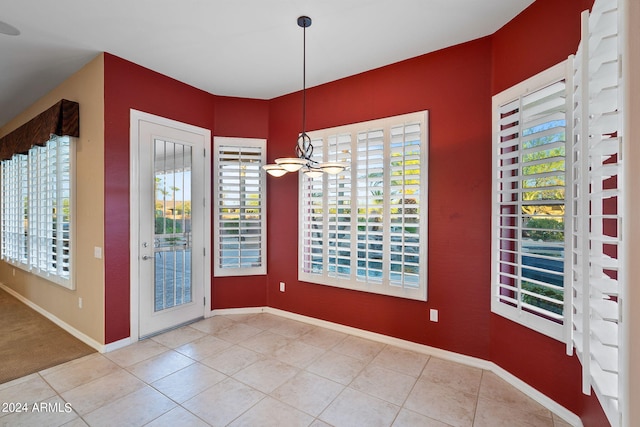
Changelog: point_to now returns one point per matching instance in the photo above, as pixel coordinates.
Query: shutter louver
(365, 228)
(14, 212)
(339, 208)
(597, 252)
(404, 169)
(313, 231)
(49, 219)
(36, 210)
(240, 215)
(529, 205)
(370, 205)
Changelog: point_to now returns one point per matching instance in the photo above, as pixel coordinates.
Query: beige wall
(87, 88)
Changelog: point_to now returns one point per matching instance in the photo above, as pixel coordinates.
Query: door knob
(145, 257)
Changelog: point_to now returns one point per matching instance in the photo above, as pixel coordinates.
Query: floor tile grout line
(122, 368)
(265, 395)
(348, 386)
(414, 383)
(401, 406)
(311, 415)
(299, 369)
(475, 408)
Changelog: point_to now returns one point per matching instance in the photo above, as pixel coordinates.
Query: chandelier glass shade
(304, 149)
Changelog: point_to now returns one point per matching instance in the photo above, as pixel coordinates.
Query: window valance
(62, 119)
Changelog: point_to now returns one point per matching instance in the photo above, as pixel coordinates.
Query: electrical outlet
(79, 302)
(281, 286)
(433, 315)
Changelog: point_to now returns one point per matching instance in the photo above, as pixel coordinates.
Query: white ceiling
(245, 48)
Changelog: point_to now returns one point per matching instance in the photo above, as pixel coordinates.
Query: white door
(173, 177)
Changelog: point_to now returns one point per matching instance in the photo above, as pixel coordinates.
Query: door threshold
(153, 334)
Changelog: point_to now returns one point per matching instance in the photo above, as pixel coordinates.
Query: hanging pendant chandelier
(304, 148)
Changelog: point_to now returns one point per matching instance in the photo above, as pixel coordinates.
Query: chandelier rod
(304, 147)
(304, 70)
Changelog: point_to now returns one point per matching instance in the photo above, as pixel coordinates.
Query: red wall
(130, 86)
(248, 118)
(546, 33)
(241, 117)
(454, 85)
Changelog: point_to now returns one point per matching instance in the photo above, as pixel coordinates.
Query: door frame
(134, 233)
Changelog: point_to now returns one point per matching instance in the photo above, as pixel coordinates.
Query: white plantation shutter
(529, 211)
(366, 227)
(404, 202)
(49, 219)
(312, 218)
(338, 209)
(580, 229)
(240, 207)
(370, 205)
(598, 250)
(14, 209)
(36, 210)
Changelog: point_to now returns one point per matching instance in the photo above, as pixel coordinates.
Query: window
(366, 227)
(240, 207)
(37, 210)
(528, 284)
(529, 210)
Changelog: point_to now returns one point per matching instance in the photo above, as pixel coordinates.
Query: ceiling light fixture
(8, 29)
(304, 148)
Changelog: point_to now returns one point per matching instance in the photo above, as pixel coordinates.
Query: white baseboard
(511, 379)
(61, 323)
(248, 310)
(539, 397)
(117, 344)
(385, 339)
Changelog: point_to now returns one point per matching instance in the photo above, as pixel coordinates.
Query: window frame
(33, 242)
(558, 331)
(353, 280)
(251, 144)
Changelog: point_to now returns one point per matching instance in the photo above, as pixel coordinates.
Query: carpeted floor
(29, 342)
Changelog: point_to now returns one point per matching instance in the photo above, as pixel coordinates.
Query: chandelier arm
(309, 149)
(304, 148)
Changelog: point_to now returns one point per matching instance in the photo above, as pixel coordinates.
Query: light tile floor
(265, 370)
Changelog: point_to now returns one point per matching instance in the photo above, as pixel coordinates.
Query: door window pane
(172, 235)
